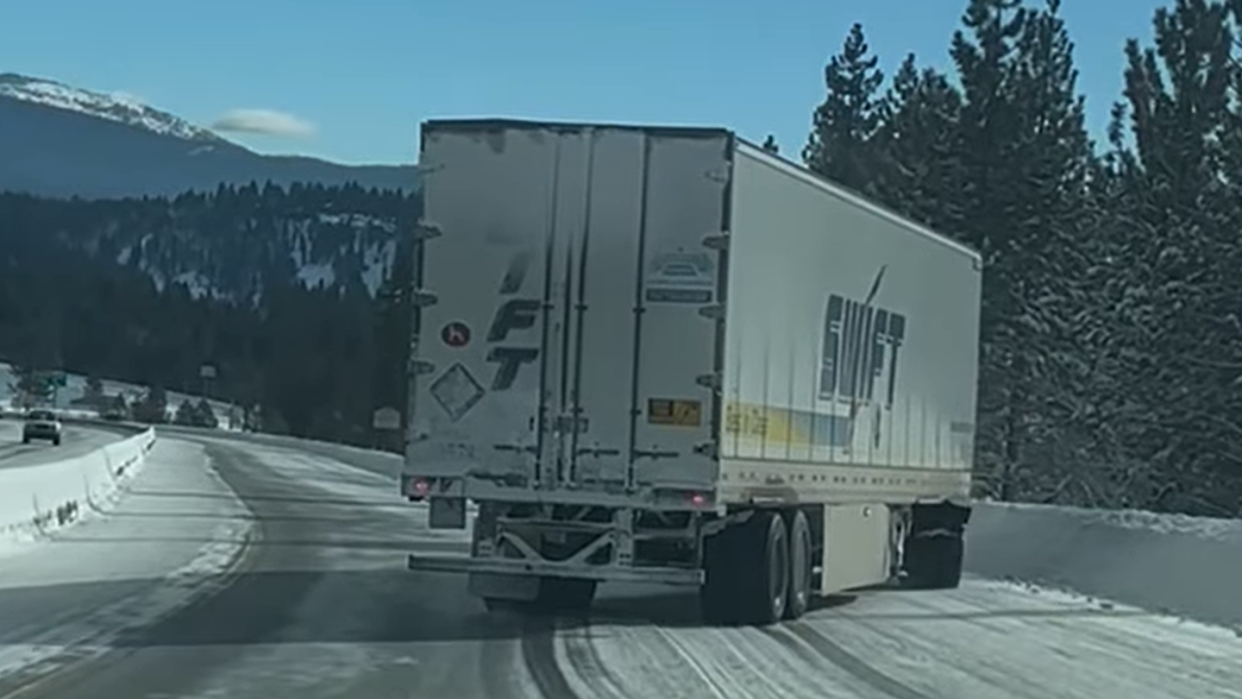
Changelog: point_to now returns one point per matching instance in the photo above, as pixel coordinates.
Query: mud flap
(518, 588)
(447, 513)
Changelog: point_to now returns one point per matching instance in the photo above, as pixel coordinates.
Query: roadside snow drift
(1185, 566)
(37, 499)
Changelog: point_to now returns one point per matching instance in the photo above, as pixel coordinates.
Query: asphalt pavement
(318, 605)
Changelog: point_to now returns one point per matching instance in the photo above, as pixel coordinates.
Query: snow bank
(1175, 564)
(37, 499)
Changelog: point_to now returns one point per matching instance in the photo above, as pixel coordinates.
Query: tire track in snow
(747, 661)
(216, 567)
(1100, 644)
(619, 659)
(837, 655)
(710, 679)
(500, 668)
(539, 656)
(582, 656)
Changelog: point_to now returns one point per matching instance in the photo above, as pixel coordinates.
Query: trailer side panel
(851, 347)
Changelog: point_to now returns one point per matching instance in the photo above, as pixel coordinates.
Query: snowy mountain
(113, 107)
(59, 140)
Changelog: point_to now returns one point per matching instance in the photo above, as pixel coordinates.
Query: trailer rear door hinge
(716, 312)
(716, 241)
(709, 449)
(426, 230)
(423, 298)
(711, 381)
(568, 424)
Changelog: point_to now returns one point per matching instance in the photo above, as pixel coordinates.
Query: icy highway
(237, 568)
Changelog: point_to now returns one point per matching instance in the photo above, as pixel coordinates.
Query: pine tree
(917, 148)
(843, 126)
(93, 395)
(1177, 207)
(205, 415)
(185, 414)
(29, 386)
(1025, 158)
(118, 408)
(153, 407)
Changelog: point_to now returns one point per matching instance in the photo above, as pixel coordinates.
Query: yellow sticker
(674, 413)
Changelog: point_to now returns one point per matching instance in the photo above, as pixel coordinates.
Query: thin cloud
(263, 121)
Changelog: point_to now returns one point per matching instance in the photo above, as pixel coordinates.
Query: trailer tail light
(698, 499)
(417, 488)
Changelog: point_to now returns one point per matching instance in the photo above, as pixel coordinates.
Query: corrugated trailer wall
(851, 344)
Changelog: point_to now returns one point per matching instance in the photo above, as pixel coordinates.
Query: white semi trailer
(665, 355)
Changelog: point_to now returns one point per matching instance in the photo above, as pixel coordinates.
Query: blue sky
(365, 72)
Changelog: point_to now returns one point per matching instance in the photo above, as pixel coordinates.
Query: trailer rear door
(563, 337)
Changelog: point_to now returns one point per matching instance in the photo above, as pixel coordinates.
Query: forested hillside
(1112, 346)
(287, 292)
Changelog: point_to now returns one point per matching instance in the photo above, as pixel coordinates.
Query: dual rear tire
(758, 572)
(761, 571)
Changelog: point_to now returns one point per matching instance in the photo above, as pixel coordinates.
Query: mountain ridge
(114, 107)
(63, 141)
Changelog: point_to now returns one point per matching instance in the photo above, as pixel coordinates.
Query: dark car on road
(41, 424)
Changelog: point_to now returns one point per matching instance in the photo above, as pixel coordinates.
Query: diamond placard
(457, 391)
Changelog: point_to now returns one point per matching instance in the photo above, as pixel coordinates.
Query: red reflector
(419, 487)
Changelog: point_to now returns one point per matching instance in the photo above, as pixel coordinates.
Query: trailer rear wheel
(800, 573)
(765, 572)
(717, 596)
(748, 572)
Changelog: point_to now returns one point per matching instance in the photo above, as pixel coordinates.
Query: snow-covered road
(320, 606)
(75, 595)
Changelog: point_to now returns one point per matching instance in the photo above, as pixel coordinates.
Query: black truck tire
(800, 565)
